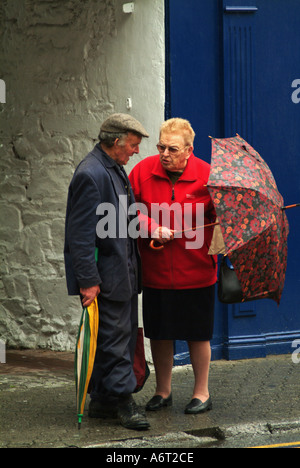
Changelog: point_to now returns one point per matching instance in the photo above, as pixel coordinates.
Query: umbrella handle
(156, 247)
(290, 206)
(161, 247)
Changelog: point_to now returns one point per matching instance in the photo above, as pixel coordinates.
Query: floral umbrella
(252, 217)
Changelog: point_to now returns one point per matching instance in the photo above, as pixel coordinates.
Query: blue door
(233, 67)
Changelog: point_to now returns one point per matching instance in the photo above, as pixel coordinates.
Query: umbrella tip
(79, 421)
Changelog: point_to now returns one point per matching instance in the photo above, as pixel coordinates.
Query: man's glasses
(172, 149)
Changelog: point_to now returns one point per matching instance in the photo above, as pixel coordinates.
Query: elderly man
(100, 181)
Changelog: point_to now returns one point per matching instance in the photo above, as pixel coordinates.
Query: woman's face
(174, 153)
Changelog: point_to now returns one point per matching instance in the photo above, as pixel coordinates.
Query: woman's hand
(163, 234)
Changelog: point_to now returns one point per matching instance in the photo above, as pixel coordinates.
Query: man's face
(126, 147)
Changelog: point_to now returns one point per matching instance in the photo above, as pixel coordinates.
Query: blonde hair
(182, 126)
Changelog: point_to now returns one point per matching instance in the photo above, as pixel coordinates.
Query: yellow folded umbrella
(85, 353)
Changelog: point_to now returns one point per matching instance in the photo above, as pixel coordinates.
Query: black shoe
(196, 406)
(158, 402)
(103, 409)
(130, 416)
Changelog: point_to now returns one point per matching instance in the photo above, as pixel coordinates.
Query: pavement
(37, 405)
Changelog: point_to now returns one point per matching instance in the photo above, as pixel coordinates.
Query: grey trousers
(113, 374)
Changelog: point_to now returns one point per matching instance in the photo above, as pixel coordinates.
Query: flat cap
(122, 123)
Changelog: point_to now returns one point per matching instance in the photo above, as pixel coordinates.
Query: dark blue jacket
(96, 181)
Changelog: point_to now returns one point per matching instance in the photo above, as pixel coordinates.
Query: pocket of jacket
(107, 269)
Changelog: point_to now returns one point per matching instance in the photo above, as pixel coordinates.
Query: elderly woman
(179, 279)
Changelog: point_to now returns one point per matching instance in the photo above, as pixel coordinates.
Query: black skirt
(181, 314)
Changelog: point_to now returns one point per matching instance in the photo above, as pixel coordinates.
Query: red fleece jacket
(180, 265)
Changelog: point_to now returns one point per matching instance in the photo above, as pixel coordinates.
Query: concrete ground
(37, 405)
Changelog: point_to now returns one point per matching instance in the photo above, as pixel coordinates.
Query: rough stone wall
(67, 65)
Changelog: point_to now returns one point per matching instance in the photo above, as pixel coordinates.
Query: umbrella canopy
(252, 218)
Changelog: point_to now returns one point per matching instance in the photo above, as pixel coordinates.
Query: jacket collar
(103, 157)
(189, 173)
(110, 165)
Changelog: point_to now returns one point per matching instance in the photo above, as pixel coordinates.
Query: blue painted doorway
(232, 66)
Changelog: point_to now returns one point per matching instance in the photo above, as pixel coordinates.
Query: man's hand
(163, 234)
(89, 294)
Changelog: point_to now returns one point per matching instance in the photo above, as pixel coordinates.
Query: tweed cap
(122, 123)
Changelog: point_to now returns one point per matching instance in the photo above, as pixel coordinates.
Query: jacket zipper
(171, 246)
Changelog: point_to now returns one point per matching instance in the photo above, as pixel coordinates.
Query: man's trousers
(113, 374)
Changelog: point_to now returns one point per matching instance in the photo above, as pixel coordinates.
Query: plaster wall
(67, 65)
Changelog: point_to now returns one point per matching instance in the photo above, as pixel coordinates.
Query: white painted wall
(67, 65)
